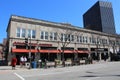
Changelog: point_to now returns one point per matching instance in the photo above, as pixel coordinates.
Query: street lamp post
(30, 54)
(28, 44)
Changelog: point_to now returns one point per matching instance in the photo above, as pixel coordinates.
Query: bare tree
(65, 37)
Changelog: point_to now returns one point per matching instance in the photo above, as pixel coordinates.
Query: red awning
(49, 51)
(68, 51)
(23, 50)
(34, 51)
(20, 50)
(81, 51)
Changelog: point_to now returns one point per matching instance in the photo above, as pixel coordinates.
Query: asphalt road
(101, 71)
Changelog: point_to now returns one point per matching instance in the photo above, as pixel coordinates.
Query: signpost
(28, 44)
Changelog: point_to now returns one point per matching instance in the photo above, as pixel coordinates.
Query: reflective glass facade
(100, 18)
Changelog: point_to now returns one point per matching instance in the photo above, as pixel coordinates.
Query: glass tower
(100, 18)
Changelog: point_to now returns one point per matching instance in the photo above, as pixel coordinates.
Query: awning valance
(23, 50)
(48, 51)
(34, 51)
(82, 51)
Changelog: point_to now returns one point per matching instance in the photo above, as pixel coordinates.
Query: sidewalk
(26, 68)
(98, 62)
(10, 68)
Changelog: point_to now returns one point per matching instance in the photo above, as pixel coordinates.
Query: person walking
(21, 61)
(24, 60)
(13, 63)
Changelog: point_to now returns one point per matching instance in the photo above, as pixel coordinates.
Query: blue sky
(70, 11)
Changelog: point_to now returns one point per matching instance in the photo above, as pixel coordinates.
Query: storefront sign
(32, 44)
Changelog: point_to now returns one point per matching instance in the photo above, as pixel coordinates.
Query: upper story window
(18, 32)
(67, 37)
(72, 37)
(81, 39)
(93, 40)
(86, 39)
(44, 35)
(31, 33)
(21, 32)
(78, 39)
(104, 41)
(62, 37)
(53, 36)
(90, 40)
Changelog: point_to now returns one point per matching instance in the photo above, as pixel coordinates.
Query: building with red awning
(48, 40)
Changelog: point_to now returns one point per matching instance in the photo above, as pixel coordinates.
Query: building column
(10, 54)
(75, 54)
(100, 57)
(37, 54)
(89, 55)
(59, 54)
(109, 55)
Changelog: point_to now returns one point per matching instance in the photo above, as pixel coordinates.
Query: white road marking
(19, 76)
(93, 78)
(44, 74)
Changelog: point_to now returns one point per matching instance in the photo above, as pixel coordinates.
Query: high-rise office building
(100, 18)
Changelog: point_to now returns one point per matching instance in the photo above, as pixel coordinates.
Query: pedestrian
(45, 64)
(13, 63)
(21, 61)
(24, 60)
(40, 63)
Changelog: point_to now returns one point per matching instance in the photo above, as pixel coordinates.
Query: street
(98, 71)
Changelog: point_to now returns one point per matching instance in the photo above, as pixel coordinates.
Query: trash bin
(43, 64)
(34, 64)
(27, 65)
